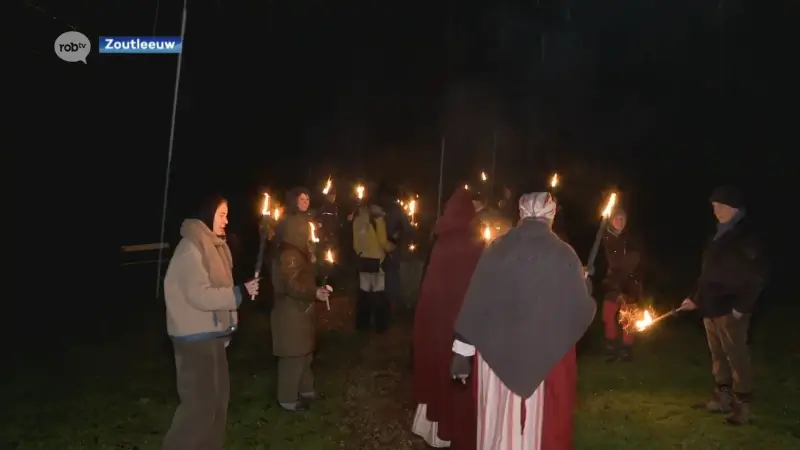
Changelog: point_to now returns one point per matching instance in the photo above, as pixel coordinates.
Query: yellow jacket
(369, 237)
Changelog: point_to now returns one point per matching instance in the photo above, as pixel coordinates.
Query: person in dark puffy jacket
(622, 285)
(732, 276)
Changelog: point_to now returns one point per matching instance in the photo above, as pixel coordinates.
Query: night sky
(662, 99)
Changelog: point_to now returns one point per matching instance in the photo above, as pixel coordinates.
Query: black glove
(461, 367)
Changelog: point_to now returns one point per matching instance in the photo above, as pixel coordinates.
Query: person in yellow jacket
(372, 247)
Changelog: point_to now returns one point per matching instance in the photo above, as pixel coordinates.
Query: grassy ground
(120, 394)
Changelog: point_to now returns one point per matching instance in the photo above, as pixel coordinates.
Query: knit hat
(727, 195)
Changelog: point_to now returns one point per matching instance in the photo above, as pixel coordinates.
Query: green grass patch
(121, 394)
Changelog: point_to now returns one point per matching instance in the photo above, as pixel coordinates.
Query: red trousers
(612, 328)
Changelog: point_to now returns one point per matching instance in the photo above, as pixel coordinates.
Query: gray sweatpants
(204, 390)
(294, 378)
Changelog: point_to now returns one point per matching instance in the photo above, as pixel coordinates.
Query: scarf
(217, 260)
(723, 228)
(537, 205)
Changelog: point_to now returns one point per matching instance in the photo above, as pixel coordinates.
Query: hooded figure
(446, 412)
(526, 307)
(292, 319)
(732, 276)
(201, 302)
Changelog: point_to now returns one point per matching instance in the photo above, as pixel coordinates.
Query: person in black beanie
(732, 276)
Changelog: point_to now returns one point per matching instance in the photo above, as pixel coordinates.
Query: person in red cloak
(446, 413)
(527, 305)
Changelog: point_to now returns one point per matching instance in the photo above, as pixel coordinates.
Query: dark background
(661, 99)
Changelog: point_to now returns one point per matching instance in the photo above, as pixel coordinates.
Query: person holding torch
(622, 284)
(201, 301)
(732, 276)
(292, 320)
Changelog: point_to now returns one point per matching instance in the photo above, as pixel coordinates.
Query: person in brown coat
(622, 286)
(292, 319)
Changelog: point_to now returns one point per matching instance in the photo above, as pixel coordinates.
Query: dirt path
(378, 394)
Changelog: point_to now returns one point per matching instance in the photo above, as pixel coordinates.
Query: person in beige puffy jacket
(201, 302)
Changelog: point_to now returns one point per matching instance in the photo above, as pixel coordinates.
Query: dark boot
(741, 410)
(611, 351)
(383, 311)
(363, 310)
(624, 354)
(721, 401)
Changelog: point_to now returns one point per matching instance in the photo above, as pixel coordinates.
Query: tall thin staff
(441, 181)
(494, 160)
(169, 152)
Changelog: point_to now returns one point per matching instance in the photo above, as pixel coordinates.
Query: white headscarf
(539, 205)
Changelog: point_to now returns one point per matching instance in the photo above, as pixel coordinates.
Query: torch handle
(258, 272)
(595, 247)
(260, 257)
(665, 315)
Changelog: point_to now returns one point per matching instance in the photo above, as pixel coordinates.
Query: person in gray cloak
(527, 305)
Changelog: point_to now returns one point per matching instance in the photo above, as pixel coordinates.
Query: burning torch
(612, 199)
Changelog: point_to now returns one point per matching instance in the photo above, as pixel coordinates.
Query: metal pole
(441, 181)
(542, 60)
(169, 152)
(494, 160)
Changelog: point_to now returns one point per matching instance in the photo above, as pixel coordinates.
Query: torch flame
(327, 187)
(360, 192)
(265, 205)
(612, 199)
(487, 233)
(483, 176)
(412, 247)
(329, 256)
(276, 213)
(313, 232)
(466, 186)
(644, 322)
(412, 207)
(554, 180)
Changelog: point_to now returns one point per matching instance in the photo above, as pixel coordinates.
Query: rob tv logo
(73, 46)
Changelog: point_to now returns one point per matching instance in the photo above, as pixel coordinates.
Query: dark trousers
(372, 303)
(394, 288)
(294, 378)
(204, 390)
(730, 356)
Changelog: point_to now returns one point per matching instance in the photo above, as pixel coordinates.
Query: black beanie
(727, 195)
(206, 208)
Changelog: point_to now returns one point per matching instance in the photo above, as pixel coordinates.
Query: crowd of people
(496, 323)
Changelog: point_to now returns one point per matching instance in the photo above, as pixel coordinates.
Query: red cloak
(454, 256)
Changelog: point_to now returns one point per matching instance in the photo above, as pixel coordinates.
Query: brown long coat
(294, 282)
